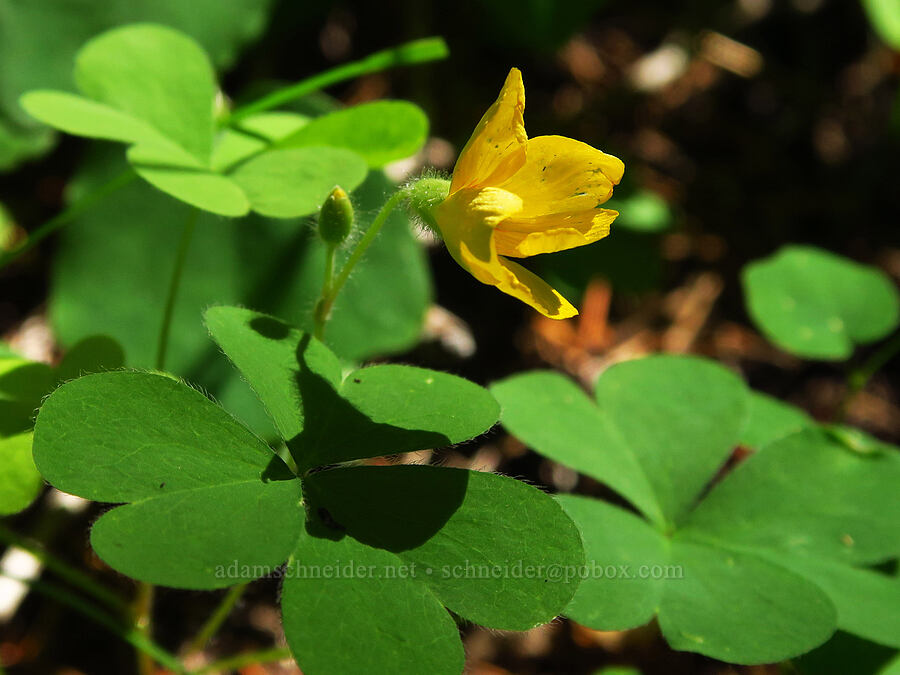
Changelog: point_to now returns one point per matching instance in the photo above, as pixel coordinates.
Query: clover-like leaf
(372, 411)
(103, 280)
(736, 607)
(763, 567)
(295, 181)
(347, 607)
(26, 24)
(208, 504)
(380, 131)
(154, 88)
(202, 490)
(808, 495)
(464, 534)
(817, 304)
(661, 468)
(155, 74)
(429, 535)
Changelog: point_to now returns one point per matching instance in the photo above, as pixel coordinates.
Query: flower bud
(424, 196)
(335, 217)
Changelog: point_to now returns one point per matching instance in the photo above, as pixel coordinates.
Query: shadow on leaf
(396, 508)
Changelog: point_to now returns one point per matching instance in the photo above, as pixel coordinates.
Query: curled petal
(496, 148)
(562, 175)
(520, 283)
(523, 237)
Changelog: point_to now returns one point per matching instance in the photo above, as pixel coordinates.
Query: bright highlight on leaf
(209, 505)
(512, 196)
(154, 88)
(763, 566)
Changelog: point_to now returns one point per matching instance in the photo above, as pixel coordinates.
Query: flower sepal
(424, 195)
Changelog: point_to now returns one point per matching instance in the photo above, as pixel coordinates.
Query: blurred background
(744, 125)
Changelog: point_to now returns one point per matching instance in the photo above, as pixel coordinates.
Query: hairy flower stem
(187, 234)
(322, 310)
(331, 291)
(67, 216)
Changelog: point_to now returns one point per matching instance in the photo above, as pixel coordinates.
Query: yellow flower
(517, 197)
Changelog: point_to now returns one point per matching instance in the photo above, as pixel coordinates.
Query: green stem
(183, 246)
(323, 308)
(417, 51)
(63, 570)
(250, 658)
(129, 635)
(214, 623)
(859, 377)
(143, 624)
(67, 215)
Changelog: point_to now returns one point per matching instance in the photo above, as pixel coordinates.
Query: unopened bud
(425, 195)
(335, 217)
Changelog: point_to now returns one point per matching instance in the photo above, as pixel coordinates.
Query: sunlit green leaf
(619, 440)
(769, 419)
(326, 418)
(731, 606)
(39, 40)
(295, 182)
(381, 131)
(808, 495)
(155, 74)
(83, 117)
(141, 435)
(205, 537)
(204, 489)
(817, 304)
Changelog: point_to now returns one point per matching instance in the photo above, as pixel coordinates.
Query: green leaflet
(817, 304)
(380, 132)
(154, 88)
(372, 411)
(762, 567)
(210, 505)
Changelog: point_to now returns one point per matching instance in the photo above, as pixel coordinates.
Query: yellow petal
(562, 175)
(496, 148)
(520, 283)
(467, 220)
(523, 237)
